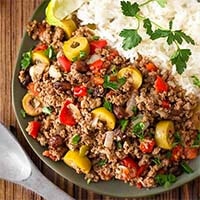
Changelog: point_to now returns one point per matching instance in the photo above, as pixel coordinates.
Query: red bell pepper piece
(66, 116)
(65, 63)
(31, 88)
(96, 66)
(165, 104)
(33, 128)
(177, 152)
(141, 170)
(147, 145)
(190, 152)
(130, 163)
(150, 67)
(97, 44)
(80, 91)
(112, 54)
(40, 47)
(161, 85)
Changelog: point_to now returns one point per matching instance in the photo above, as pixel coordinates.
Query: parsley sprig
(132, 38)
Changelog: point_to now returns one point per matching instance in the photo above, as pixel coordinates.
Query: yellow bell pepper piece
(68, 25)
(75, 160)
(136, 76)
(163, 131)
(74, 46)
(196, 117)
(105, 115)
(31, 104)
(39, 56)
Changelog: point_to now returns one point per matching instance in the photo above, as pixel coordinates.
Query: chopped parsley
(119, 145)
(156, 161)
(165, 179)
(196, 81)
(132, 37)
(26, 60)
(83, 54)
(76, 138)
(47, 110)
(49, 52)
(196, 142)
(102, 163)
(90, 91)
(95, 37)
(107, 105)
(186, 168)
(113, 85)
(177, 139)
(139, 127)
(23, 113)
(123, 123)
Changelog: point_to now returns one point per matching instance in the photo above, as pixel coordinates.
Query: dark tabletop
(14, 14)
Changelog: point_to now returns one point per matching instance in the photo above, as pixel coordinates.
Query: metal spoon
(18, 168)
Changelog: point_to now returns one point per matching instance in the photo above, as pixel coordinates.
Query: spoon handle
(38, 183)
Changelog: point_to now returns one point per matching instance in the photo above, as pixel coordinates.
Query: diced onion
(109, 139)
(75, 111)
(130, 104)
(94, 122)
(93, 58)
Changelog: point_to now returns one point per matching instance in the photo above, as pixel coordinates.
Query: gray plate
(112, 188)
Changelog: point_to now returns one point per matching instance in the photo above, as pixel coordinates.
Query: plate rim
(150, 192)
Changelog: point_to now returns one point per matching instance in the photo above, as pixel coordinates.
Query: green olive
(164, 129)
(75, 160)
(31, 104)
(73, 47)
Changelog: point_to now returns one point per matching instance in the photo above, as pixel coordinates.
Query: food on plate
(102, 111)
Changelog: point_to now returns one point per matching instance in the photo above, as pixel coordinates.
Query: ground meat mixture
(105, 116)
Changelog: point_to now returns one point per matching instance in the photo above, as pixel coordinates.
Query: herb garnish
(49, 52)
(82, 54)
(196, 81)
(26, 60)
(47, 110)
(156, 161)
(113, 85)
(23, 113)
(177, 139)
(176, 37)
(76, 138)
(119, 145)
(102, 163)
(165, 179)
(107, 105)
(197, 141)
(123, 123)
(186, 168)
(138, 130)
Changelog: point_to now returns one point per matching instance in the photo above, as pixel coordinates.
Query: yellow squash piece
(196, 117)
(75, 160)
(164, 129)
(31, 104)
(74, 46)
(39, 56)
(105, 115)
(135, 74)
(68, 25)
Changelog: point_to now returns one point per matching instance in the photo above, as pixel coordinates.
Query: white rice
(107, 15)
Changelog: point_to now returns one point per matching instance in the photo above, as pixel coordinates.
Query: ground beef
(56, 86)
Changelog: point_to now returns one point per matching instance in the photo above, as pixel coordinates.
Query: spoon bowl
(18, 168)
(14, 163)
